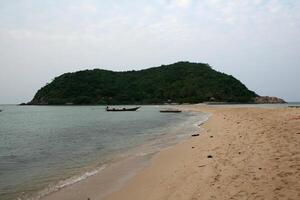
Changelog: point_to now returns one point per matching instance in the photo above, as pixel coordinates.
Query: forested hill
(181, 82)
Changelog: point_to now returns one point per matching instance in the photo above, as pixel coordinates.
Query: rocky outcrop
(267, 99)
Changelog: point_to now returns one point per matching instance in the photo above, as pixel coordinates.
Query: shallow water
(40, 145)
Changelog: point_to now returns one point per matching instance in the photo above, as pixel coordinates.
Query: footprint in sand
(258, 197)
(240, 195)
(284, 174)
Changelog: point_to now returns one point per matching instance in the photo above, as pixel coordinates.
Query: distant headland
(181, 82)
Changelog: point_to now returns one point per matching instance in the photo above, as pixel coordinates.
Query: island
(181, 82)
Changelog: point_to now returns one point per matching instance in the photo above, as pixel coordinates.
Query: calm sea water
(40, 145)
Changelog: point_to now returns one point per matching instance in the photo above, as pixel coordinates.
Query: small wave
(65, 183)
(142, 154)
(74, 180)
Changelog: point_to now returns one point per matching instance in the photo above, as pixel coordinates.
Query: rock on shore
(267, 99)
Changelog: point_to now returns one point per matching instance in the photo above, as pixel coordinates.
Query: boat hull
(170, 111)
(121, 109)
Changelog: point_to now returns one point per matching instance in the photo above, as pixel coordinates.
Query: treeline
(181, 82)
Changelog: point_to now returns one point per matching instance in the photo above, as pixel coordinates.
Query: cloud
(239, 37)
(183, 3)
(84, 7)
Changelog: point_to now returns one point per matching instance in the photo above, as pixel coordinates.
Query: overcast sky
(257, 41)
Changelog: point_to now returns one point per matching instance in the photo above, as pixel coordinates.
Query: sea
(46, 148)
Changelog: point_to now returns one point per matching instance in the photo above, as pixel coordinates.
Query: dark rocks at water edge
(294, 106)
(267, 99)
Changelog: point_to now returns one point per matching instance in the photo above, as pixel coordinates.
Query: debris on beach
(209, 156)
(196, 134)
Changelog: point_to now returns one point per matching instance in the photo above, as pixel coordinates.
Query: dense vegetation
(181, 82)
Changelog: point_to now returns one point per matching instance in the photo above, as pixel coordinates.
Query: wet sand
(242, 153)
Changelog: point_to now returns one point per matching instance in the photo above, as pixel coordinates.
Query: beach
(46, 148)
(240, 153)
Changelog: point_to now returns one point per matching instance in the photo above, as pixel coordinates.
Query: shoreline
(243, 153)
(122, 167)
(239, 155)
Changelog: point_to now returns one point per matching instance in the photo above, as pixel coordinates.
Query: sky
(257, 41)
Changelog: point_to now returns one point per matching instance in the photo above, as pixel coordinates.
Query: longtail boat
(170, 111)
(108, 109)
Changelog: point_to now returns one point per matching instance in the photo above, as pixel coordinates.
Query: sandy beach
(241, 153)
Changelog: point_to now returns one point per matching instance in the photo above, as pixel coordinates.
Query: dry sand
(255, 154)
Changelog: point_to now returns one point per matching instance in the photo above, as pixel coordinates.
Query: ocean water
(40, 146)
